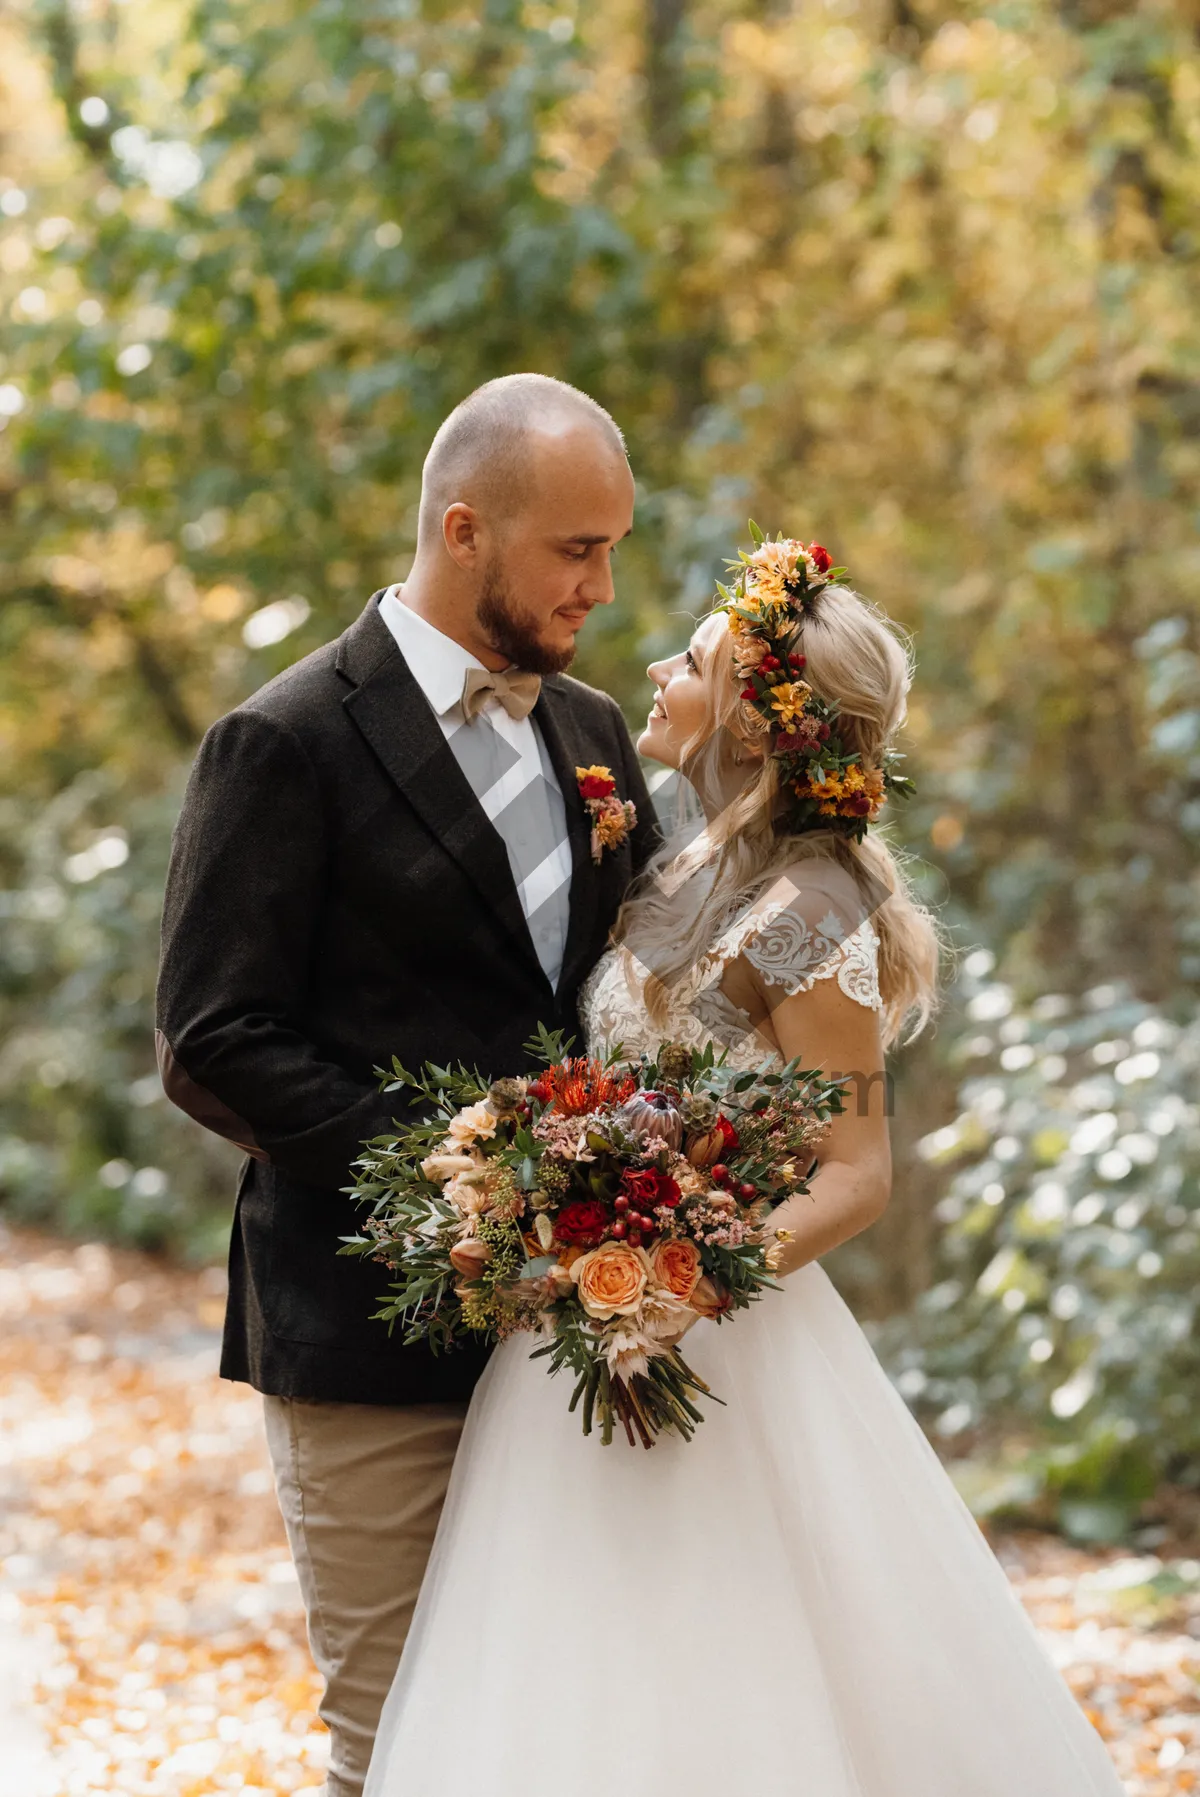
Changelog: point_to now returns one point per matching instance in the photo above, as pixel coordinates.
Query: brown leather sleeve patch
(201, 1105)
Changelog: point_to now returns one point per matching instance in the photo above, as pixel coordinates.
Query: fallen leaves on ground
(143, 1558)
(140, 1534)
(1125, 1631)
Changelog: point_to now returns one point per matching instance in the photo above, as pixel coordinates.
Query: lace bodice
(774, 936)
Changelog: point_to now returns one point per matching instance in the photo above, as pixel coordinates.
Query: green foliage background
(918, 278)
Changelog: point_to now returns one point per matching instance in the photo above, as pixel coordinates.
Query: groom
(385, 851)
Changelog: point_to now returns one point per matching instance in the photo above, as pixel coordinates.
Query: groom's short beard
(513, 632)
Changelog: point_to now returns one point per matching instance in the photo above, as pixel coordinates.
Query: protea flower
(653, 1114)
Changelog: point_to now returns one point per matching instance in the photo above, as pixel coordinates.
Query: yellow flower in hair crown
(775, 590)
(612, 818)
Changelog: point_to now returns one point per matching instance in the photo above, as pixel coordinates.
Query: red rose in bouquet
(647, 1187)
(582, 1224)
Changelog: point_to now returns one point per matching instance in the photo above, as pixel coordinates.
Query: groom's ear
(463, 532)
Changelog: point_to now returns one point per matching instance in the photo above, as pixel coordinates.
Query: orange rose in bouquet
(676, 1264)
(611, 1280)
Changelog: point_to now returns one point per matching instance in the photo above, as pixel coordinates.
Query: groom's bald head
(526, 493)
(495, 446)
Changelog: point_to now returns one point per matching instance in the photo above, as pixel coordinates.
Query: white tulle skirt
(795, 1604)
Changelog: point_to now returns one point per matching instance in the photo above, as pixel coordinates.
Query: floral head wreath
(775, 589)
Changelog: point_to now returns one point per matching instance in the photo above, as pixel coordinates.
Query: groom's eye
(581, 555)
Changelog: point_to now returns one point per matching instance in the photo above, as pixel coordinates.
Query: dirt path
(151, 1635)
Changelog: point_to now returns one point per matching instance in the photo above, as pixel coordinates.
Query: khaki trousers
(361, 1489)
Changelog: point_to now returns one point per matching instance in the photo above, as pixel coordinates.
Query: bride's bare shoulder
(817, 888)
(807, 927)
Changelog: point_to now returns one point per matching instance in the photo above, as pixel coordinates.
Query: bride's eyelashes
(690, 659)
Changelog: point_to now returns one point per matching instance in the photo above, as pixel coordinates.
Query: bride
(797, 1603)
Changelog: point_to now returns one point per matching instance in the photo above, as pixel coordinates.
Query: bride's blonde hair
(857, 659)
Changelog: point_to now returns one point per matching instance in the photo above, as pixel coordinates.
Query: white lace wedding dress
(795, 1604)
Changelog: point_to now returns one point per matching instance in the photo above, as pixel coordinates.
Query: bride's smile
(680, 717)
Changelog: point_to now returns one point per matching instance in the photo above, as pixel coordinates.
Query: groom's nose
(597, 585)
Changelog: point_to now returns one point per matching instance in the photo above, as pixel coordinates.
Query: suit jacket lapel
(553, 715)
(389, 708)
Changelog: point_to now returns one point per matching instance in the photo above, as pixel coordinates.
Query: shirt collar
(437, 663)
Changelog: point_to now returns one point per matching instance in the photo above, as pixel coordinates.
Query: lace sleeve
(788, 945)
(791, 952)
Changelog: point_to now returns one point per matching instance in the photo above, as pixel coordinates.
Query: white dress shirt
(509, 771)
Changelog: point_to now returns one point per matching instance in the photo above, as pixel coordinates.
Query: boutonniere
(612, 818)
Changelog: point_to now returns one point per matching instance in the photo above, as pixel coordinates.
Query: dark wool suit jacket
(336, 896)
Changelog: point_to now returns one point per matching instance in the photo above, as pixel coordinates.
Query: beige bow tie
(516, 691)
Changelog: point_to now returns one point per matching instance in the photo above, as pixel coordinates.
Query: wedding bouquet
(601, 1206)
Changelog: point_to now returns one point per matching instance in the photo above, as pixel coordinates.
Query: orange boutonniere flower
(612, 818)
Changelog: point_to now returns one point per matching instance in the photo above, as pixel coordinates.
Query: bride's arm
(825, 1028)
